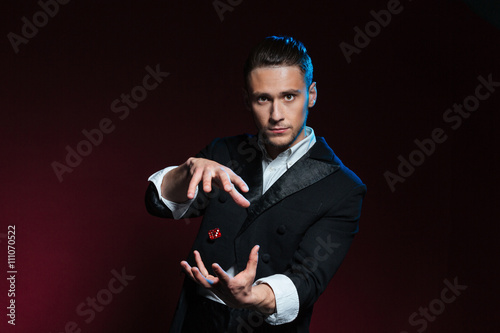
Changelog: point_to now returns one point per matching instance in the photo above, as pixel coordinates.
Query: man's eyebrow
(283, 93)
(291, 92)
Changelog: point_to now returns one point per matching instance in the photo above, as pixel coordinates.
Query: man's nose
(276, 111)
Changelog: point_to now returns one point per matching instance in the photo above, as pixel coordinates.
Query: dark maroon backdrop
(75, 234)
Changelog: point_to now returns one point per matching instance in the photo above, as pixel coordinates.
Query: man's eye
(289, 97)
(262, 99)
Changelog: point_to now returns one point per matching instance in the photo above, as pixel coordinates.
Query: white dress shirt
(287, 299)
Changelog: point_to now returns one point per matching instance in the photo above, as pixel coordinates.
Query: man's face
(279, 100)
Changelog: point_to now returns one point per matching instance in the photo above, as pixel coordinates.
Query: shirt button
(281, 229)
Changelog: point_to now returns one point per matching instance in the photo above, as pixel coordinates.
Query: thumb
(253, 260)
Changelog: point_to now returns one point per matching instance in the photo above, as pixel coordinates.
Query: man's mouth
(278, 130)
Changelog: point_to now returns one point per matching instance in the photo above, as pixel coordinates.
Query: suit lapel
(315, 165)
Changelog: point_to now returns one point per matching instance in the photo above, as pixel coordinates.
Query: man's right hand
(210, 173)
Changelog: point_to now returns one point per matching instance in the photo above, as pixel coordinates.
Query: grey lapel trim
(302, 174)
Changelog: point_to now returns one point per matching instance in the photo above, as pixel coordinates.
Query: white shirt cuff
(178, 209)
(287, 299)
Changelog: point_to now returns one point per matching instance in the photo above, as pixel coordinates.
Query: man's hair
(278, 51)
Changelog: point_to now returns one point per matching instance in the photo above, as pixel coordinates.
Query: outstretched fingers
(229, 179)
(202, 279)
(238, 198)
(253, 260)
(221, 274)
(187, 269)
(232, 179)
(199, 274)
(199, 263)
(240, 183)
(209, 172)
(196, 178)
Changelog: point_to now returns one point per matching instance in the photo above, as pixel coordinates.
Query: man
(280, 209)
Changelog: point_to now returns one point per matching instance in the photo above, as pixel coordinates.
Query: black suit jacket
(304, 223)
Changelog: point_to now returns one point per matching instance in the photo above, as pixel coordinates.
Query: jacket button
(281, 229)
(266, 257)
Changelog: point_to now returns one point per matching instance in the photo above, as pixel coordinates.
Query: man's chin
(277, 142)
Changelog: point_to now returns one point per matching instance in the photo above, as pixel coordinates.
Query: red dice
(214, 233)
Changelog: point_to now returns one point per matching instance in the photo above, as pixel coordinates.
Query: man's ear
(313, 94)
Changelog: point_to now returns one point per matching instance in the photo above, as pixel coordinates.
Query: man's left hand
(238, 291)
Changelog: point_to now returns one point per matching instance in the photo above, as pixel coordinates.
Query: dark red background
(441, 223)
